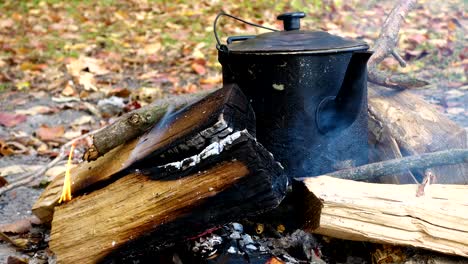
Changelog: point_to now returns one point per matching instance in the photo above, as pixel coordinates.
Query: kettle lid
(294, 40)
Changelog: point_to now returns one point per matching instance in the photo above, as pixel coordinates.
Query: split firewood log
(185, 132)
(388, 213)
(147, 210)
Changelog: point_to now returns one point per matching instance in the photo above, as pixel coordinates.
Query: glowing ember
(66, 191)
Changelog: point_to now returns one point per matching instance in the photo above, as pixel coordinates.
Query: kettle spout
(336, 113)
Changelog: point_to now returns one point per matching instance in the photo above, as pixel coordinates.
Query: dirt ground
(67, 68)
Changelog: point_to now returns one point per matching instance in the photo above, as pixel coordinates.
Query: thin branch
(423, 161)
(399, 58)
(32, 176)
(385, 46)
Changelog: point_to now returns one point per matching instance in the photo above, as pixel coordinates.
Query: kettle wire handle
(219, 45)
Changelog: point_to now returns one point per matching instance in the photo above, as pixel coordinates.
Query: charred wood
(147, 212)
(135, 123)
(181, 135)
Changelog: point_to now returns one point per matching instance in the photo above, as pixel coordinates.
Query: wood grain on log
(190, 130)
(147, 212)
(417, 127)
(387, 213)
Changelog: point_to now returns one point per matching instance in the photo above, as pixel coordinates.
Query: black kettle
(309, 93)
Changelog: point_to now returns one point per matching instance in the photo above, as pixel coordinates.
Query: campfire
(294, 132)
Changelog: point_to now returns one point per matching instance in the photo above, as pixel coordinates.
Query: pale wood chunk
(392, 214)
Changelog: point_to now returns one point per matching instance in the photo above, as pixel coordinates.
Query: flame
(66, 191)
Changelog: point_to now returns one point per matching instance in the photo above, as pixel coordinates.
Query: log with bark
(187, 132)
(146, 211)
(403, 124)
(389, 214)
(135, 123)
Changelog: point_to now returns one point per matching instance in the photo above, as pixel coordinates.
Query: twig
(385, 46)
(399, 58)
(31, 176)
(429, 178)
(378, 169)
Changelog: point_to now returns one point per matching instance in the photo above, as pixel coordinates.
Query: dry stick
(113, 135)
(31, 176)
(135, 123)
(385, 46)
(423, 161)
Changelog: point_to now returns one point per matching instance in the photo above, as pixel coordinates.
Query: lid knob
(291, 20)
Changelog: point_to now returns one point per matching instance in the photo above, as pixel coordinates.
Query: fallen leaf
(198, 68)
(417, 38)
(3, 182)
(38, 109)
(43, 149)
(152, 48)
(5, 150)
(22, 85)
(46, 133)
(85, 64)
(87, 80)
(120, 92)
(21, 226)
(29, 66)
(71, 134)
(147, 94)
(86, 119)
(68, 90)
(15, 169)
(10, 120)
(212, 80)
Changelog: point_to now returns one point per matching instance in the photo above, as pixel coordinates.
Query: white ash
(262, 249)
(207, 245)
(251, 247)
(213, 149)
(289, 259)
(238, 227)
(247, 239)
(219, 130)
(232, 250)
(235, 235)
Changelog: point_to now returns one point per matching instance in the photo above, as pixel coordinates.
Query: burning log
(413, 127)
(160, 206)
(387, 213)
(135, 123)
(184, 133)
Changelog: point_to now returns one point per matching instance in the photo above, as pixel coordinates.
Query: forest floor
(69, 67)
